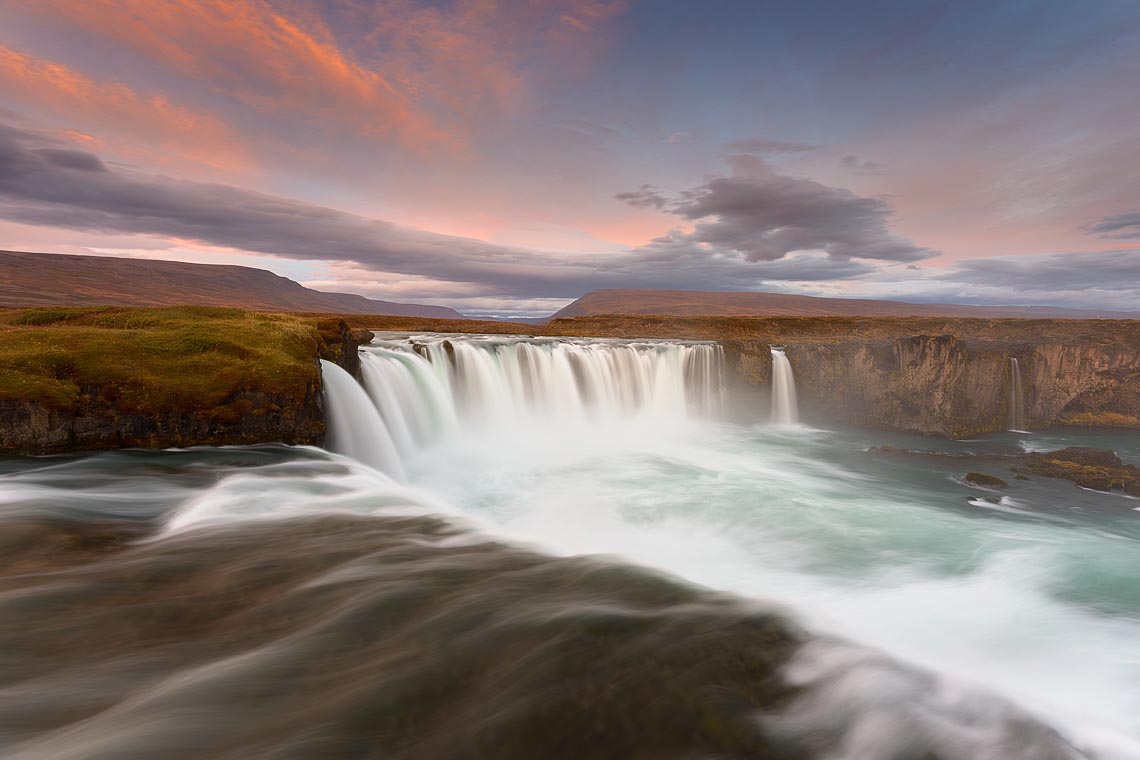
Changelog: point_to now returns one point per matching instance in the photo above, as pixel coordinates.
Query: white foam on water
(607, 447)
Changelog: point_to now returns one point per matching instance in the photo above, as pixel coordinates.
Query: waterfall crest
(422, 387)
(355, 426)
(1016, 397)
(785, 410)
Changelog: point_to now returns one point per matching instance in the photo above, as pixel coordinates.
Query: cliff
(934, 376)
(954, 386)
(113, 377)
(85, 379)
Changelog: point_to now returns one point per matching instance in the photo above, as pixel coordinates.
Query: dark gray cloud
(762, 146)
(72, 159)
(44, 184)
(646, 196)
(1118, 227)
(862, 167)
(763, 216)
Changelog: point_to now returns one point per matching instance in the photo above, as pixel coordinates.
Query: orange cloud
(477, 51)
(246, 50)
(163, 127)
(422, 76)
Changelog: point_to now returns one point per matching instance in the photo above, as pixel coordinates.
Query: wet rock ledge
(79, 379)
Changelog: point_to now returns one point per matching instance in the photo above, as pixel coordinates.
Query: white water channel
(785, 408)
(1016, 397)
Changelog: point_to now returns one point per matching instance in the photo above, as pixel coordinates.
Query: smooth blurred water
(1031, 592)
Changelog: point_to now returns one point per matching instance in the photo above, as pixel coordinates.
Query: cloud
(46, 183)
(50, 87)
(1116, 272)
(762, 146)
(37, 188)
(764, 216)
(1108, 280)
(646, 196)
(72, 159)
(419, 75)
(861, 167)
(1118, 227)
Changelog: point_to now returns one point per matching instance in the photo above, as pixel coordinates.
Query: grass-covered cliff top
(187, 358)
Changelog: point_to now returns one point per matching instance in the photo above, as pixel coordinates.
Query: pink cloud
(133, 124)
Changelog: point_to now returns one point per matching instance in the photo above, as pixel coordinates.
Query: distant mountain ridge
(57, 279)
(740, 304)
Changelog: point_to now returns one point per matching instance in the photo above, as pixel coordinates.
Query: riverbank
(91, 378)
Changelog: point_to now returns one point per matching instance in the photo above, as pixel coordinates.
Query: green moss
(144, 360)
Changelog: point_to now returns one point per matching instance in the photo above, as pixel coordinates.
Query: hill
(55, 279)
(699, 303)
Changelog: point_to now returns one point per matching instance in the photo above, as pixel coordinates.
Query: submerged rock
(984, 480)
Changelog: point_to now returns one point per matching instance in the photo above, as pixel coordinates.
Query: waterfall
(1016, 397)
(420, 388)
(784, 408)
(355, 426)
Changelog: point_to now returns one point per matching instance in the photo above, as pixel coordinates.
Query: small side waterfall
(355, 427)
(421, 388)
(1016, 397)
(785, 411)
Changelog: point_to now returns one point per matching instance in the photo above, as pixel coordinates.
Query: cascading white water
(355, 427)
(424, 386)
(594, 446)
(785, 411)
(1016, 397)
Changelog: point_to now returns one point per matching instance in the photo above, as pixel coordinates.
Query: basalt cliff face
(934, 376)
(954, 385)
(945, 377)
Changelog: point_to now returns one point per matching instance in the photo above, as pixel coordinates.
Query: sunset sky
(506, 157)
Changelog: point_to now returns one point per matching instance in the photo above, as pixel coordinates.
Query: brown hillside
(52, 279)
(704, 303)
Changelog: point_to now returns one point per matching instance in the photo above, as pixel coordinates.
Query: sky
(505, 157)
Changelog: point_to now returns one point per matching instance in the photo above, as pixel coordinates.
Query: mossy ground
(146, 360)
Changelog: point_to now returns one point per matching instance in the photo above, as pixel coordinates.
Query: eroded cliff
(935, 376)
(953, 385)
(87, 379)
